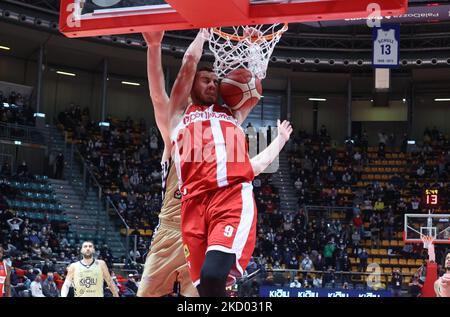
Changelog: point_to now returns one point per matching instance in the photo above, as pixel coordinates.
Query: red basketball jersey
(209, 150)
(2, 278)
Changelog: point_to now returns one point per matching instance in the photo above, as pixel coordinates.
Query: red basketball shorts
(222, 220)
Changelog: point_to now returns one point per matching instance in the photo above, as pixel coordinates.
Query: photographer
(396, 283)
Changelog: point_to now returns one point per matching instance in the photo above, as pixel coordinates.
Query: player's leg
(162, 263)
(231, 216)
(187, 288)
(214, 273)
(194, 234)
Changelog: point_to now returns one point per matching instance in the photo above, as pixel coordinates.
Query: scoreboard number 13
(432, 196)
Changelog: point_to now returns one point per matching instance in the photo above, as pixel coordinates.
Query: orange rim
(240, 38)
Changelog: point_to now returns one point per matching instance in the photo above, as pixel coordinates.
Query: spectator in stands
(307, 264)
(36, 286)
(34, 239)
(379, 205)
(328, 277)
(14, 223)
(46, 251)
(49, 288)
(295, 283)
(415, 286)
(293, 263)
(22, 170)
(363, 257)
(382, 138)
(317, 281)
(131, 284)
(59, 162)
(389, 226)
(420, 172)
(415, 203)
(328, 253)
(359, 225)
(346, 178)
(407, 250)
(374, 227)
(6, 169)
(396, 283)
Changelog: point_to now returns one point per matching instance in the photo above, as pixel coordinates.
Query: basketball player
(433, 285)
(218, 212)
(88, 275)
(442, 285)
(5, 275)
(165, 264)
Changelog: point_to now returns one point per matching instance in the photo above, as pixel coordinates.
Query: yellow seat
(383, 252)
(394, 262)
(393, 243)
(405, 270)
(387, 270)
(374, 251)
(419, 262)
(411, 262)
(385, 243)
(385, 261)
(401, 262)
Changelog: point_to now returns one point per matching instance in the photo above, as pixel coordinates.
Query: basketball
(240, 89)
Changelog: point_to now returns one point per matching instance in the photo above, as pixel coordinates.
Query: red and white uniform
(3, 274)
(218, 210)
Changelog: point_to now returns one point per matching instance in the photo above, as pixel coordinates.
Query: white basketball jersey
(386, 48)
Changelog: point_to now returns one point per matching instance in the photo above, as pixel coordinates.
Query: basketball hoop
(427, 241)
(248, 47)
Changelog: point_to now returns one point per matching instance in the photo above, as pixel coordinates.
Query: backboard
(435, 225)
(81, 18)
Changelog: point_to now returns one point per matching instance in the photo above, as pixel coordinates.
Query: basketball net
(248, 47)
(427, 241)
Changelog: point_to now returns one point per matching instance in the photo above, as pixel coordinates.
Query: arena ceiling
(417, 35)
(316, 42)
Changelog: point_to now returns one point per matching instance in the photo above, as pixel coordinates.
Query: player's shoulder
(100, 262)
(72, 266)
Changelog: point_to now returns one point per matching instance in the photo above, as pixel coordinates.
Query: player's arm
(155, 74)
(261, 161)
(108, 279)
(8, 282)
(182, 87)
(68, 281)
